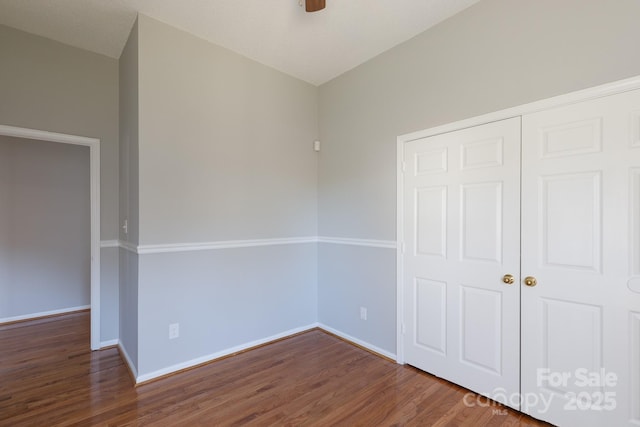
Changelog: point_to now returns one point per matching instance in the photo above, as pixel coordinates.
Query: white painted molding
(211, 357)
(128, 246)
(231, 244)
(229, 351)
(400, 168)
(109, 244)
(388, 244)
(110, 343)
(33, 316)
(361, 343)
(127, 360)
(42, 135)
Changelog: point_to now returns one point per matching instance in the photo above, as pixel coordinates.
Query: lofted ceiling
(314, 47)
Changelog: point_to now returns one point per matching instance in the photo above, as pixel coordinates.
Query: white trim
(388, 244)
(532, 107)
(219, 354)
(94, 194)
(42, 135)
(127, 360)
(33, 316)
(109, 243)
(127, 246)
(229, 244)
(400, 252)
(109, 343)
(242, 347)
(361, 343)
(608, 89)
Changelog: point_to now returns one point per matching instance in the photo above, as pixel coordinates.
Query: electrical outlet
(363, 313)
(174, 330)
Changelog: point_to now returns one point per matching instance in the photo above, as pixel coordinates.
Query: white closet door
(462, 235)
(581, 242)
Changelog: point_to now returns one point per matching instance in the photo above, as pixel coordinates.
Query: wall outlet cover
(174, 330)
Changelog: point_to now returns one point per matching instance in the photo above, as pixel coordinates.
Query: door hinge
(402, 329)
(404, 167)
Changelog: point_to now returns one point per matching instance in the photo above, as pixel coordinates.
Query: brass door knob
(530, 281)
(508, 279)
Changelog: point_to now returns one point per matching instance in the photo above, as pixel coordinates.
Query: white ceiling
(314, 47)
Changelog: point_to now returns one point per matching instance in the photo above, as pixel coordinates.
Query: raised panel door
(581, 242)
(462, 196)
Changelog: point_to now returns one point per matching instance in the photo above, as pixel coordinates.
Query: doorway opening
(94, 197)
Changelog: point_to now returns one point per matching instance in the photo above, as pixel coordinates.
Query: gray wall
(45, 227)
(51, 86)
(222, 298)
(129, 305)
(129, 136)
(225, 153)
(225, 144)
(494, 55)
(353, 277)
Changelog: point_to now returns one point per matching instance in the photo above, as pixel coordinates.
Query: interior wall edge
(127, 360)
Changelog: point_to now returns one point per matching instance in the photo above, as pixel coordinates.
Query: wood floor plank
(49, 377)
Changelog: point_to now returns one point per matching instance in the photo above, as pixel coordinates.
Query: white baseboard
(109, 343)
(361, 343)
(127, 360)
(33, 316)
(211, 357)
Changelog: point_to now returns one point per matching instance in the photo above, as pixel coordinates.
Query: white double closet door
(552, 200)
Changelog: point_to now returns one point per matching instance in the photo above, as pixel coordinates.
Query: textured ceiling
(314, 47)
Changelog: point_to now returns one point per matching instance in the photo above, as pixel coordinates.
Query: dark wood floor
(49, 377)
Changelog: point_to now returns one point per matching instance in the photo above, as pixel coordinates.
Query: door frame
(545, 104)
(94, 191)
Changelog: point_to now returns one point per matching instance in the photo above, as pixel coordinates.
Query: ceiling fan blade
(314, 5)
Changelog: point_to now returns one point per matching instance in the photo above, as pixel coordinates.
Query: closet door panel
(461, 232)
(570, 221)
(580, 238)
